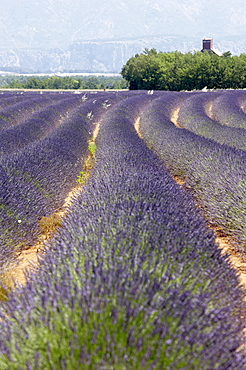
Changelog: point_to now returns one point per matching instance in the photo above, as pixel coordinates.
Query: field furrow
(16, 113)
(229, 109)
(36, 126)
(137, 280)
(193, 116)
(215, 173)
(130, 274)
(35, 182)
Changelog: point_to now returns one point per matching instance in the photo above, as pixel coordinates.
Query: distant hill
(100, 36)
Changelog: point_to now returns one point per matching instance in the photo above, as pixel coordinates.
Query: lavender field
(130, 276)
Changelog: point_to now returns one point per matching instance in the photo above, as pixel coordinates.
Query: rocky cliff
(100, 36)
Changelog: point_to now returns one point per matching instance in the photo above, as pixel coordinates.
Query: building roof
(207, 45)
(217, 52)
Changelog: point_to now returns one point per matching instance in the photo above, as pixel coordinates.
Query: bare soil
(236, 254)
(175, 116)
(28, 260)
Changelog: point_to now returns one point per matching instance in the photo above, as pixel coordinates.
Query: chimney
(207, 44)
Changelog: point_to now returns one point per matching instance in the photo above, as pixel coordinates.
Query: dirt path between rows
(208, 110)
(175, 116)
(28, 260)
(236, 255)
(137, 127)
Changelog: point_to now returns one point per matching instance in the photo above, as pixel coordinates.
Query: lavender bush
(215, 173)
(36, 126)
(133, 279)
(7, 98)
(35, 182)
(18, 112)
(192, 116)
(227, 109)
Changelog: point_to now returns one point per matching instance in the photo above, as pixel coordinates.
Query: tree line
(176, 71)
(56, 82)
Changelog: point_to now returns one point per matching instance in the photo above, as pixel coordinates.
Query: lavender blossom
(134, 278)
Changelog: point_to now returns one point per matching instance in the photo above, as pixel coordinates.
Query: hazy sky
(54, 23)
(44, 34)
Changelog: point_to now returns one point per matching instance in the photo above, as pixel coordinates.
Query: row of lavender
(15, 108)
(215, 173)
(195, 113)
(35, 180)
(37, 125)
(229, 109)
(133, 279)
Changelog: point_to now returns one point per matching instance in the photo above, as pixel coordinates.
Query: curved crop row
(172, 102)
(193, 117)
(35, 182)
(133, 279)
(7, 98)
(215, 173)
(227, 109)
(37, 125)
(16, 113)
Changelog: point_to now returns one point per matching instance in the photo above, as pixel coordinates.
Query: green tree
(227, 54)
(142, 71)
(177, 71)
(33, 83)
